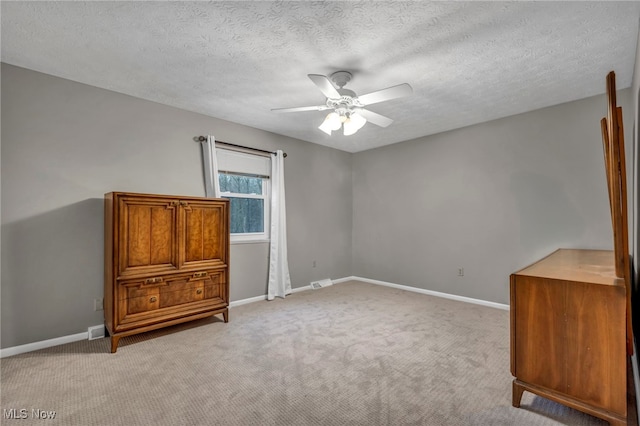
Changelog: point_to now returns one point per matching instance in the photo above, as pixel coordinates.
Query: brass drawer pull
(199, 274)
(153, 280)
(153, 299)
(199, 291)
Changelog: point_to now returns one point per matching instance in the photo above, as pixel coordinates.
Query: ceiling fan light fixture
(349, 110)
(353, 123)
(349, 127)
(358, 120)
(325, 129)
(331, 122)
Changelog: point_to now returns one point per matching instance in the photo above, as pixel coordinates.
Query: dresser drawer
(146, 300)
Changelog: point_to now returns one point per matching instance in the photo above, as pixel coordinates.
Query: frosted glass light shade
(353, 124)
(331, 122)
(358, 120)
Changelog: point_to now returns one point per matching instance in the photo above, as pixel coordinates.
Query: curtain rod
(203, 139)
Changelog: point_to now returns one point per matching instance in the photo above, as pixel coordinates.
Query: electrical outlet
(314, 263)
(98, 304)
(461, 272)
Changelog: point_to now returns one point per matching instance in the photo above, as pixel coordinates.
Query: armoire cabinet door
(147, 235)
(205, 239)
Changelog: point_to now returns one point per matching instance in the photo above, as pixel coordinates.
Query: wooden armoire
(166, 261)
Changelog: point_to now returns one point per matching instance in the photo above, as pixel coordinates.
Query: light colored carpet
(349, 354)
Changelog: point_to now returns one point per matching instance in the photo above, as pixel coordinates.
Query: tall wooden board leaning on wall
(571, 311)
(615, 168)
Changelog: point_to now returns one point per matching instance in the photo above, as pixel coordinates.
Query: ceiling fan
(348, 108)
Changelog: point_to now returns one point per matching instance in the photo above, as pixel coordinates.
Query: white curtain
(210, 161)
(279, 279)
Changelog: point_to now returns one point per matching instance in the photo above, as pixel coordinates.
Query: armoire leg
(114, 343)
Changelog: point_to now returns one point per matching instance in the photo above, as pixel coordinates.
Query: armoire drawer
(148, 298)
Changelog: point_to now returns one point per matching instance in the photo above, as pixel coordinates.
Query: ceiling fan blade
(298, 109)
(375, 118)
(389, 93)
(324, 85)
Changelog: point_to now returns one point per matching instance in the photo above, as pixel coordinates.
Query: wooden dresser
(166, 261)
(568, 333)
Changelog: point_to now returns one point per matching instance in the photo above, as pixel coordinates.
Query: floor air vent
(96, 332)
(322, 283)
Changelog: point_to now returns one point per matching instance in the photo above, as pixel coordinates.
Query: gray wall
(65, 144)
(489, 198)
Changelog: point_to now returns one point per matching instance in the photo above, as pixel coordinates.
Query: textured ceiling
(468, 62)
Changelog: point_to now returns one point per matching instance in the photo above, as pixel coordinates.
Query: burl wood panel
(147, 231)
(204, 244)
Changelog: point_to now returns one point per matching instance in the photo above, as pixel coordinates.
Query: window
(244, 180)
(249, 204)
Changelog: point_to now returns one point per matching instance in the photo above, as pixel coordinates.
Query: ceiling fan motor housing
(348, 99)
(341, 78)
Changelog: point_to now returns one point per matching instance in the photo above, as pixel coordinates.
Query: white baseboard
(386, 284)
(235, 303)
(429, 292)
(29, 347)
(344, 280)
(240, 302)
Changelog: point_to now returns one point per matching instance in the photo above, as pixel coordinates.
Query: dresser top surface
(591, 266)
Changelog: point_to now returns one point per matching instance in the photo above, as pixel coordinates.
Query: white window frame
(253, 237)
